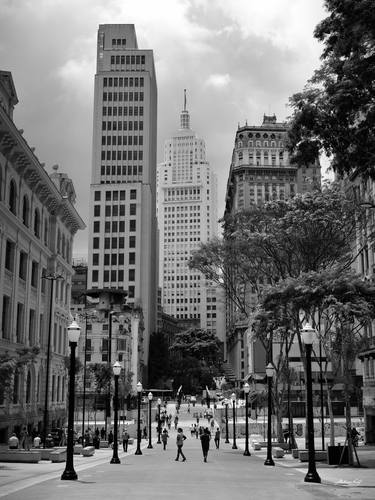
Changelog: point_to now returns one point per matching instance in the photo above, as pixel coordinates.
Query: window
(132, 258)
(95, 259)
(131, 274)
(13, 197)
(97, 194)
(26, 211)
(96, 226)
(6, 317)
(133, 209)
(132, 225)
(9, 255)
(106, 259)
(95, 276)
(131, 241)
(36, 223)
(32, 327)
(133, 194)
(34, 274)
(95, 243)
(22, 271)
(96, 210)
(20, 323)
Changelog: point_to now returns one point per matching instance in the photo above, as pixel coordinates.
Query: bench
(88, 451)
(58, 456)
(278, 452)
(46, 453)
(320, 456)
(131, 441)
(77, 450)
(30, 457)
(256, 446)
(103, 444)
(274, 444)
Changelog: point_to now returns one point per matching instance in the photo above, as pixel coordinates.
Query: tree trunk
(331, 417)
(348, 421)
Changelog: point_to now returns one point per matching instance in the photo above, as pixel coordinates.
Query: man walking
(205, 442)
(125, 440)
(217, 438)
(180, 442)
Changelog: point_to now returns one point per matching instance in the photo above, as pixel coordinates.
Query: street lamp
(159, 427)
(109, 360)
(246, 390)
(139, 391)
(116, 372)
(149, 419)
(308, 333)
(226, 403)
(73, 335)
(269, 372)
(233, 397)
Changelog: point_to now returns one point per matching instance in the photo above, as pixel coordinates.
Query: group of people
(205, 438)
(25, 440)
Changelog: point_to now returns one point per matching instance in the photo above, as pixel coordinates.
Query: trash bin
(338, 455)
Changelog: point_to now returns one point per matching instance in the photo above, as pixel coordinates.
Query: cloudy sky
(238, 59)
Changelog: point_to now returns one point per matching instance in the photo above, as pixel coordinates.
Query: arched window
(13, 197)
(37, 223)
(26, 211)
(28, 388)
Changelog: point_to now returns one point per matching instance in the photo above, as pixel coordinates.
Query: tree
(196, 359)
(335, 112)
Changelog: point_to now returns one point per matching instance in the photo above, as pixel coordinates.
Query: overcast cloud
(238, 59)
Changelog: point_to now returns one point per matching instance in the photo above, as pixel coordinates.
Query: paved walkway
(155, 474)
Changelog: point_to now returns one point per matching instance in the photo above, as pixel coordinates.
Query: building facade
(123, 249)
(260, 171)
(38, 222)
(187, 216)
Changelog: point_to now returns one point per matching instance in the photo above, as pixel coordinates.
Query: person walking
(205, 443)
(164, 438)
(175, 421)
(125, 440)
(217, 438)
(180, 442)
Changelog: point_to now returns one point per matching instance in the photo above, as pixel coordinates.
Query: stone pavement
(155, 474)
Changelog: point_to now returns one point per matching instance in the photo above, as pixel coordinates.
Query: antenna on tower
(184, 99)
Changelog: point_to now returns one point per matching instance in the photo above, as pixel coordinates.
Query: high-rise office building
(260, 171)
(123, 246)
(187, 216)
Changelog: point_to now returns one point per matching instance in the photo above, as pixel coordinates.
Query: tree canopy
(335, 112)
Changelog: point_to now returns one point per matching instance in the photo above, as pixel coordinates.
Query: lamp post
(87, 316)
(139, 391)
(109, 360)
(116, 372)
(269, 372)
(233, 397)
(149, 419)
(308, 333)
(159, 429)
(246, 390)
(73, 335)
(226, 403)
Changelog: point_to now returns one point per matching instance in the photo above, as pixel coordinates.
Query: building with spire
(123, 247)
(187, 216)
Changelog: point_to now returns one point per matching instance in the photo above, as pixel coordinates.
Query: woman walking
(164, 438)
(205, 442)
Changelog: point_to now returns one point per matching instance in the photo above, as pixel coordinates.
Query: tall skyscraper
(123, 246)
(187, 216)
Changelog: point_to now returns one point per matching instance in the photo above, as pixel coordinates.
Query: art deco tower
(123, 237)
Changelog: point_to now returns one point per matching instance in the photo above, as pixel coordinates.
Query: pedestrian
(102, 433)
(212, 423)
(217, 438)
(145, 432)
(180, 442)
(205, 442)
(125, 440)
(50, 443)
(110, 437)
(25, 439)
(36, 442)
(13, 441)
(175, 421)
(164, 438)
(355, 436)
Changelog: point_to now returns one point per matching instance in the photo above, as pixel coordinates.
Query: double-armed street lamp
(270, 370)
(226, 403)
(308, 334)
(233, 397)
(149, 419)
(246, 390)
(73, 335)
(138, 451)
(116, 372)
(159, 426)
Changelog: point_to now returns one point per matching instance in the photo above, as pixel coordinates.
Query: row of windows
(119, 81)
(123, 125)
(122, 110)
(121, 170)
(115, 195)
(113, 243)
(123, 96)
(122, 140)
(122, 155)
(128, 59)
(118, 42)
(113, 259)
(114, 226)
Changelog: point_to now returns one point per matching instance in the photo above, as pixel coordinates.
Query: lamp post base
(227, 441)
(115, 460)
(69, 475)
(138, 452)
(269, 461)
(149, 446)
(247, 453)
(312, 477)
(234, 447)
